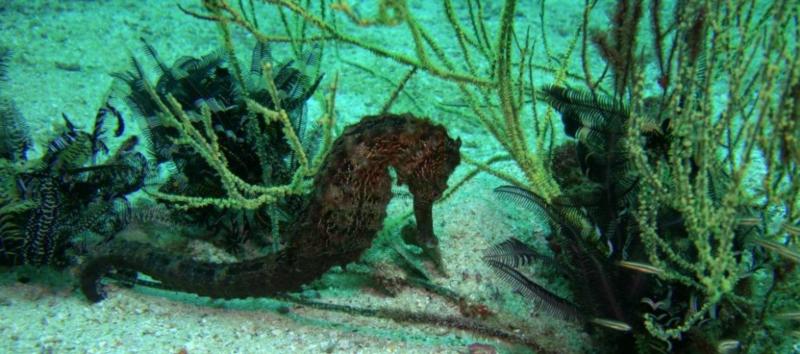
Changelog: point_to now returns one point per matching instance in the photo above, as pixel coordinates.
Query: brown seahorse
(341, 217)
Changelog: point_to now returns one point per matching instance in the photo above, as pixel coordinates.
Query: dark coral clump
(255, 151)
(595, 239)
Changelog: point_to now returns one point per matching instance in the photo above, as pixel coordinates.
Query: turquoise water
(605, 185)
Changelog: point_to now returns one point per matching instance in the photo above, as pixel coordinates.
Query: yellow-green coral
(714, 141)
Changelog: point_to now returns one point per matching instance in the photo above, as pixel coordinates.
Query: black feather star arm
(135, 89)
(160, 65)
(41, 236)
(261, 54)
(557, 215)
(13, 215)
(581, 110)
(14, 137)
(5, 54)
(545, 300)
(513, 253)
(11, 235)
(522, 198)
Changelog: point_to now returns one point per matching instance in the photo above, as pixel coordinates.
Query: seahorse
(341, 216)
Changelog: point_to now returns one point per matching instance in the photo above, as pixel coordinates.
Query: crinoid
(77, 185)
(255, 151)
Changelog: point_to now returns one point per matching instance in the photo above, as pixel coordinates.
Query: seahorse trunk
(342, 215)
(423, 213)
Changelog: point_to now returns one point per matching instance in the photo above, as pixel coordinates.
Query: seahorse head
(432, 158)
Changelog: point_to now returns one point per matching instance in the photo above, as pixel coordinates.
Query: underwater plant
(594, 236)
